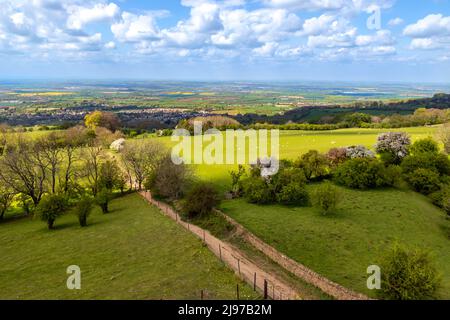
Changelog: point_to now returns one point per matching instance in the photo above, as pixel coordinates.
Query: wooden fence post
(237, 291)
(265, 289)
(220, 252)
(254, 282)
(239, 267)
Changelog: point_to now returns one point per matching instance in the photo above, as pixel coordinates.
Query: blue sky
(348, 40)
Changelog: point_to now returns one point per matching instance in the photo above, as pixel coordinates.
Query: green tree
(408, 275)
(427, 145)
(83, 209)
(327, 197)
(102, 199)
(51, 207)
(201, 200)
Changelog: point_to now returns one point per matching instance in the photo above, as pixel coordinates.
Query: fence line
(231, 256)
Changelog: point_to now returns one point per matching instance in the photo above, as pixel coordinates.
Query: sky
(290, 40)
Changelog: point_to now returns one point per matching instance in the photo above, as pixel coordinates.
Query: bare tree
(24, 169)
(74, 138)
(50, 148)
(141, 158)
(6, 196)
(93, 156)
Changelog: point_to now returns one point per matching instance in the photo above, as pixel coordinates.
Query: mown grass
(343, 245)
(132, 253)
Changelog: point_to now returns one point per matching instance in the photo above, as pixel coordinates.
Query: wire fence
(266, 284)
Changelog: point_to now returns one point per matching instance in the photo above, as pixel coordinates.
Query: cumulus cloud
(80, 16)
(430, 33)
(431, 25)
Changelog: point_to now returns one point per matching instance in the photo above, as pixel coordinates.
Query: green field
(132, 253)
(296, 142)
(342, 246)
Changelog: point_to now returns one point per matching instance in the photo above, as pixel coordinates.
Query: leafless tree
(141, 158)
(24, 169)
(92, 156)
(6, 196)
(444, 136)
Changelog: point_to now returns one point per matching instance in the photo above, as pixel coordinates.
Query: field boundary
(267, 284)
(331, 288)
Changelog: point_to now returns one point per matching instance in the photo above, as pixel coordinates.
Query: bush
(326, 198)
(425, 181)
(427, 145)
(314, 164)
(102, 199)
(393, 146)
(293, 194)
(437, 162)
(258, 191)
(408, 275)
(392, 175)
(336, 156)
(83, 209)
(200, 200)
(51, 207)
(354, 152)
(361, 173)
(287, 176)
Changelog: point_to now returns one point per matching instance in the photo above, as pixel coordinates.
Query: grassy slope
(132, 253)
(342, 246)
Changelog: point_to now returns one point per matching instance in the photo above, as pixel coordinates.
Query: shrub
(427, 145)
(287, 176)
(314, 164)
(336, 156)
(392, 175)
(236, 181)
(293, 194)
(408, 275)
(83, 209)
(257, 190)
(425, 181)
(102, 199)
(326, 198)
(169, 180)
(437, 162)
(200, 200)
(354, 152)
(393, 146)
(51, 207)
(360, 173)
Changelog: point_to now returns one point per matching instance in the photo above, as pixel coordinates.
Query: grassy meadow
(134, 252)
(342, 246)
(294, 143)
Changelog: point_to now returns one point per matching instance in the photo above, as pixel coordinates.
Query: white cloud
(80, 16)
(431, 25)
(381, 37)
(132, 28)
(395, 22)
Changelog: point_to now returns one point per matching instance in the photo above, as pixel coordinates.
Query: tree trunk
(2, 214)
(105, 207)
(83, 221)
(50, 223)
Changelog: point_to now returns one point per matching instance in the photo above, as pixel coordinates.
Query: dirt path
(233, 257)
